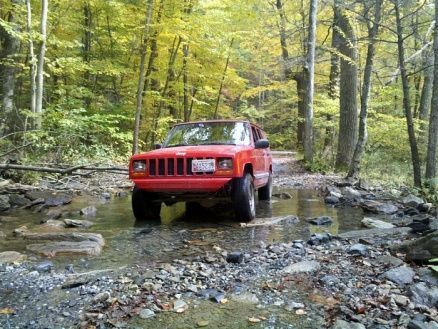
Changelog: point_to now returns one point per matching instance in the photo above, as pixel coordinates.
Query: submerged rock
(52, 249)
(146, 313)
(77, 223)
(322, 220)
(88, 211)
(18, 200)
(4, 203)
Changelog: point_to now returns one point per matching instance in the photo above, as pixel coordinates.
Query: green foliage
(433, 266)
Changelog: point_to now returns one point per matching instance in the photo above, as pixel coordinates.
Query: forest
(348, 84)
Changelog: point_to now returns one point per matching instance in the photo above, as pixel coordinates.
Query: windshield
(209, 133)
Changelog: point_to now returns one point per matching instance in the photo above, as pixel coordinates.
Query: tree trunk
(333, 91)
(426, 92)
(406, 99)
(32, 59)
(11, 44)
(366, 88)
(309, 70)
(348, 93)
(141, 78)
(433, 123)
(40, 67)
(224, 74)
(186, 82)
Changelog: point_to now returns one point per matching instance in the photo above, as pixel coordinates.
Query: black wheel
(243, 197)
(143, 205)
(265, 192)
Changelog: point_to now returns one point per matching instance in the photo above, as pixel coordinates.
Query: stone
(65, 236)
(77, 223)
(282, 195)
(245, 297)
(291, 306)
(88, 211)
(18, 200)
(425, 207)
(52, 249)
(54, 214)
(402, 275)
(235, 257)
(2, 234)
(420, 250)
(388, 260)
(10, 257)
(332, 190)
(180, 306)
(412, 201)
(341, 324)
(375, 223)
(4, 203)
(319, 238)
(416, 324)
(351, 194)
(358, 249)
(52, 223)
(329, 280)
(45, 266)
(421, 294)
(101, 297)
(302, 267)
(217, 297)
(146, 313)
(331, 199)
(375, 232)
(379, 207)
(202, 323)
(401, 300)
(322, 220)
(51, 199)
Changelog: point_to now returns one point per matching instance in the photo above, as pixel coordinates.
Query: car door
(258, 159)
(266, 159)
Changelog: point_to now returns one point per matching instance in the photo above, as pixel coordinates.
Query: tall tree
(406, 97)
(141, 78)
(8, 69)
(433, 122)
(347, 90)
(32, 59)
(310, 70)
(40, 66)
(224, 75)
(373, 30)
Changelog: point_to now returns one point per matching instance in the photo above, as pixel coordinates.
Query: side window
(255, 135)
(261, 134)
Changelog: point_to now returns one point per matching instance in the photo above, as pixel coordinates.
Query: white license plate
(203, 165)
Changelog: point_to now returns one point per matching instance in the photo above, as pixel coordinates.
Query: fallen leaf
(7, 310)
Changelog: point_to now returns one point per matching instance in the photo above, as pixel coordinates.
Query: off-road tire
(265, 192)
(243, 198)
(144, 207)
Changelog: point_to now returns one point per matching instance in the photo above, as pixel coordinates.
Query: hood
(194, 151)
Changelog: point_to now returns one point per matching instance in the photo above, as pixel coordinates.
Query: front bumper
(182, 184)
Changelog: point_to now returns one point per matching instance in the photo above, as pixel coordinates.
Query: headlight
(139, 166)
(225, 163)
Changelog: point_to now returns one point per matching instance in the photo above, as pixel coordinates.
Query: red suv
(220, 159)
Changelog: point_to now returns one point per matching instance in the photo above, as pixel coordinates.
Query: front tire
(143, 205)
(265, 192)
(243, 197)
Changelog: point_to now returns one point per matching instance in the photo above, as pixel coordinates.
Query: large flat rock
(9, 257)
(66, 236)
(375, 232)
(56, 248)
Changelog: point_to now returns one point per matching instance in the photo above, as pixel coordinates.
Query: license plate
(203, 165)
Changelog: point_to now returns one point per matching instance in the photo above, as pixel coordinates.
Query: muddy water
(179, 235)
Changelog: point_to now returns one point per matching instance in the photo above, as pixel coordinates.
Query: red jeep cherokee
(221, 159)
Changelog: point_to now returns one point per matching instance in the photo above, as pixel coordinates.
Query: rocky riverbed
(343, 256)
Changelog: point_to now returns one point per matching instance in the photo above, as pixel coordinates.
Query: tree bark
(224, 74)
(32, 59)
(333, 91)
(426, 91)
(11, 44)
(40, 66)
(348, 93)
(433, 123)
(406, 99)
(366, 88)
(309, 70)
(141, 78)
(186, 82)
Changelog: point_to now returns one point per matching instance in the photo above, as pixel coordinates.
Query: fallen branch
(65, 171)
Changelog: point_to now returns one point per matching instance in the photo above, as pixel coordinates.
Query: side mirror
(262, 144)
(157, 146)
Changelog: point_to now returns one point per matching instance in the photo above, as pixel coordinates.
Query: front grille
(166, 167)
